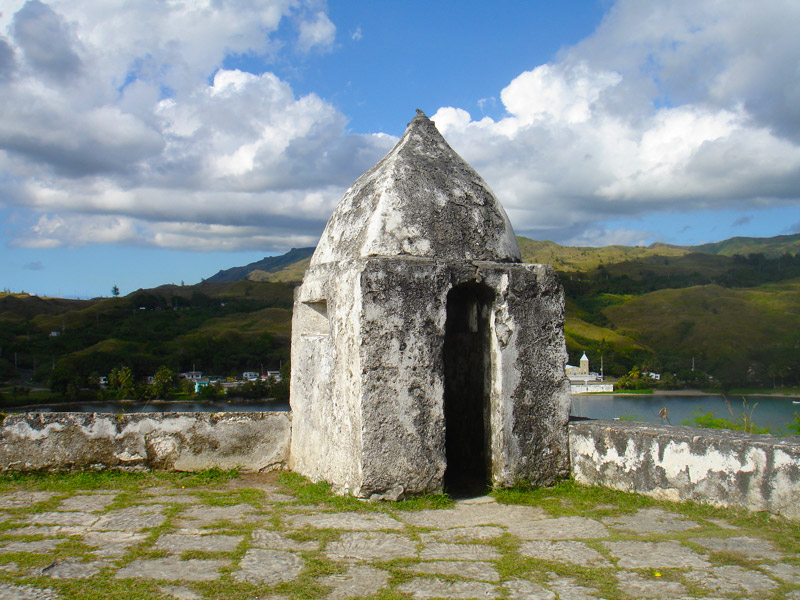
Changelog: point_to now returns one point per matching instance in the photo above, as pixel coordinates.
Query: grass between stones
(217, 489)
(320, 493)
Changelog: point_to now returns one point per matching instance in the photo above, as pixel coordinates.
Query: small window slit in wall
(314, 318)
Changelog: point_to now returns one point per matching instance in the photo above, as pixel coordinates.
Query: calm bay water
(160, 407)
(770, 411)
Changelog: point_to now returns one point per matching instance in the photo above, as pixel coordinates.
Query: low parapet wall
(172, 441)
(718, 467)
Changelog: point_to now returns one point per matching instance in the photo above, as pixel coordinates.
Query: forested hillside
(219, 328)
(736, 317)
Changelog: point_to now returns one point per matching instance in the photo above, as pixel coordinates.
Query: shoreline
(690, 393)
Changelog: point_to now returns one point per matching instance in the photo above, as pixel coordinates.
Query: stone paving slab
(26, 592)
(261, 565)
(380, 546)
(24, 499)
(651, 520)
(569, 551)
(461, 552)
(82, 519)
(218, 513)
(360, 580)
(45, 530)
(522, 589)
(471, 514)
(179, 592)
(132, 518)
(167, 499)
(184, 542)
(438, 588)
(746, 547)
(172, 569)
(638, 586)
(72, 569)
(484, 571)
(480, 533)
(444, 550)
(272, 539)
(87, 502)
(562, 528)
(566, 588)
(112, 543)
(783, 572)
(655, 555)
(36, 546)
(351, 521)
(731, 579)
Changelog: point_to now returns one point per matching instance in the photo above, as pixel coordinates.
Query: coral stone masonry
(424, 353)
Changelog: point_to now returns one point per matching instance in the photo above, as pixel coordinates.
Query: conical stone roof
(422, 199)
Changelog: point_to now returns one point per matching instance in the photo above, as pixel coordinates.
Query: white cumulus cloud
(676, 105)
(123, 122)
(120, 124)
(319, 32)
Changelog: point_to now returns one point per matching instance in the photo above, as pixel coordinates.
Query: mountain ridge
(290, 266)
(268, 264)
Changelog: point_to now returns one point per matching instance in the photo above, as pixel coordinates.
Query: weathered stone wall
(722, 468)
(170, 441)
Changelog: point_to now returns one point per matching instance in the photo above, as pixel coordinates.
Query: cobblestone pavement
(251, 538)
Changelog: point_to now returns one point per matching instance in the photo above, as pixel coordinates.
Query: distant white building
(582, 380)
(581, 372)
(191, 375)
(276, 375)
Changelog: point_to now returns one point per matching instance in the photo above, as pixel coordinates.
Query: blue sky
(147, 143)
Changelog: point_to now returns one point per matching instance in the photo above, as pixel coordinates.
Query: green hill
(220, 328)
(577, 258)
(771, 246)
(733, 307)
(733, 333)
(269, 264)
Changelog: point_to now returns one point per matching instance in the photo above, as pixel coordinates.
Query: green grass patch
(206, 478)
(320, 493)
(567, 498)
(74, 481)
(103, 588)
(232, 497)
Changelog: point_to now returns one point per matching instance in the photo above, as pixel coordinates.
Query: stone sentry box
(424, 353)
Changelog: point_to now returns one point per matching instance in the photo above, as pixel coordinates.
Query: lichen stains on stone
(421, 200)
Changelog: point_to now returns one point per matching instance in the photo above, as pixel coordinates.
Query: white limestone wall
(326, 376)
(170, 441)
(718, 467)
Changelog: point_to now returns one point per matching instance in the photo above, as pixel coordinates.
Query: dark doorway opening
(466, 389)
